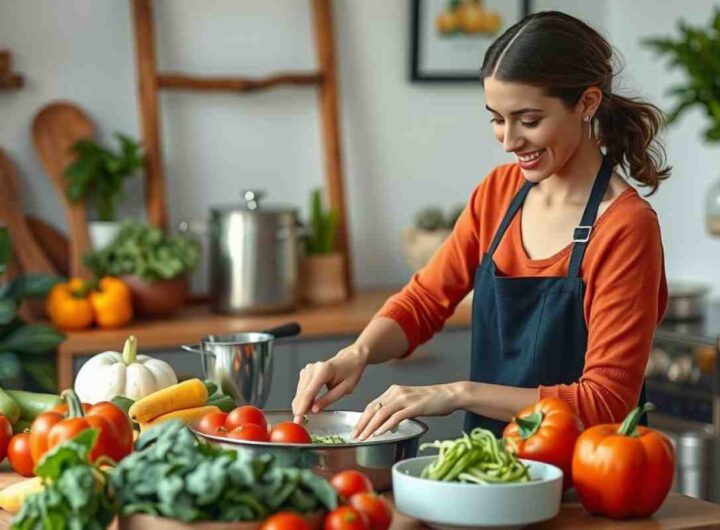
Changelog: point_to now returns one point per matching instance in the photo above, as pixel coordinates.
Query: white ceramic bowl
(461, 506)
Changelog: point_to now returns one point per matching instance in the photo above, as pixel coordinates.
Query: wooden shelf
(237, 84)
(11, 82)
(196, 321)
(8, 80)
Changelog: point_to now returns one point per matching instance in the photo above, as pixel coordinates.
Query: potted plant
(696, 52)
(322, 268)
(26, 349)
(156, 266)
(99, 174)
(432, 227)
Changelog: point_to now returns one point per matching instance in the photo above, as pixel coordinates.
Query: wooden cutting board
(55, 128)
(53, 242)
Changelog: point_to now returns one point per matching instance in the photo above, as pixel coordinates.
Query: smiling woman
(565, 258)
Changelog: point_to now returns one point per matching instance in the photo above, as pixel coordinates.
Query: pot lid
(251, 203)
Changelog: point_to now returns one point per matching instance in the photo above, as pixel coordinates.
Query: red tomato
(212, 422)
(348, 483)
(285, 521)
(288, 432)
(6, 433)
(345, 518)
(20, 456)
(249, 432)
(246, 414)
(376, 510)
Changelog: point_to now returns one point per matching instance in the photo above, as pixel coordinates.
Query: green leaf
(5, 246)
(33, 338)
(10, 366)
(8, 310)
(31, 285)
(44, 373)
(66, 455)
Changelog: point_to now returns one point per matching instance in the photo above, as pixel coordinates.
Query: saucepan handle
(286, 330)
(195, 348)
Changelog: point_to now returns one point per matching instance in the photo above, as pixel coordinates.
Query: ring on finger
(379, 405)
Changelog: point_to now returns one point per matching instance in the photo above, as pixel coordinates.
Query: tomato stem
(628, 427)
(529, 424)
(75, 409)
(129, 353)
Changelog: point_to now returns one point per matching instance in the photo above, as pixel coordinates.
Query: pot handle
(286, 330)
(196, 349)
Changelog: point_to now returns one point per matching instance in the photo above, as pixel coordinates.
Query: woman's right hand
(340, 375)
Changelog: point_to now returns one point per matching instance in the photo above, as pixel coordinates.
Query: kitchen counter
(197, 320)
(678, 512)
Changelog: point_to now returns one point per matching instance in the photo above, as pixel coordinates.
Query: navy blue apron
(531, 331)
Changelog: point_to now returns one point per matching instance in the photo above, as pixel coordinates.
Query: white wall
(405, 145)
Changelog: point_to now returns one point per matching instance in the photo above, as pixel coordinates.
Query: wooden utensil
(30, 255)
(55, 129)
(53, 242)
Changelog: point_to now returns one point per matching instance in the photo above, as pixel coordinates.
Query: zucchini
(33, 403)
(9, 407)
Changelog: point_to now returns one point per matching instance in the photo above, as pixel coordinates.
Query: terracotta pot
(149, 522)
(158, 299)
(322, 278)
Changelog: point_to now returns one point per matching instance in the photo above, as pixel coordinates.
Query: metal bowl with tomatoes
(323, 443)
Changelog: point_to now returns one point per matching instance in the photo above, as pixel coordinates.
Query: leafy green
(145, 251)
(170, 474)
(323, 226)
(697, 51)
(75, 494)
(100, 173)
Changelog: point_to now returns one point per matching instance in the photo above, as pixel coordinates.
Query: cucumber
(32, 403)
(224, 403)
(9, 407)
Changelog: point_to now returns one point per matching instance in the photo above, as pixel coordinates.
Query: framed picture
(450, 37)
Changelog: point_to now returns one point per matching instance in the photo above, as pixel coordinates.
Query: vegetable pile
(478, 457)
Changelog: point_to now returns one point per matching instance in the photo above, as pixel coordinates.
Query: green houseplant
(26, 349)
(322, 269)
(154, 264)
(696, 50)
(98, 174)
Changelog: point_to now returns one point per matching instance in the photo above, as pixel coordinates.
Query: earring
(588, 119)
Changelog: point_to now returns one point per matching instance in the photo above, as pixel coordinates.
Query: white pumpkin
(127, 374)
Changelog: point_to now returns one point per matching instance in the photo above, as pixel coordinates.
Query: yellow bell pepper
(112, 303)
(68, 305)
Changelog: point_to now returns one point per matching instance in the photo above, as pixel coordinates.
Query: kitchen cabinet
(445, 358)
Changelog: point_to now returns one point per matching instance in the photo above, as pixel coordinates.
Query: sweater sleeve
(625, 299)
(429, 299)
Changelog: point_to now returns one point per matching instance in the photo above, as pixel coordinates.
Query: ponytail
(627, 129)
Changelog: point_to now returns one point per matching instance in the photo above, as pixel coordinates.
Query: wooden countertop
(678, 512)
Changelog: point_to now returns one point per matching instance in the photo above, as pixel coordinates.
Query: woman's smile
(530, 159)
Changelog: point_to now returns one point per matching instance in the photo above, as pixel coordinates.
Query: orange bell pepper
(546, 432)
(623, 470)
(112, 303)
(68, 305)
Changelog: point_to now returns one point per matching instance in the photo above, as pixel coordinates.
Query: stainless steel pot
(241, 364)
(686, 301)
(374, 457)
(254, 258)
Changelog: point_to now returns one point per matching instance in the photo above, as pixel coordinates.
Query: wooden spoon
(53, 242)
(29, 253)
(55, 129)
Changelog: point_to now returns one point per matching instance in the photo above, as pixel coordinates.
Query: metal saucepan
(686, 300)
(374, 457)
(241, 363)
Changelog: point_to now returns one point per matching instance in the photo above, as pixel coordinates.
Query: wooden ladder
(150, 81)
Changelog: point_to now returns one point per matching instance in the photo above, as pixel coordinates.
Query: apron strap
(581, 235)
(509, 214)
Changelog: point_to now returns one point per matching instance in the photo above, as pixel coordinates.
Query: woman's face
(539, 130)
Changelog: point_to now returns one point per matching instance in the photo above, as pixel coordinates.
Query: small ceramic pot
(102, 233)
(157, 299)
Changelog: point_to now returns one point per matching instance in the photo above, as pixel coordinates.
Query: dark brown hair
(566, 56)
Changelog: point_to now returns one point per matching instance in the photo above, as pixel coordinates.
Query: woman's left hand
(398, 403)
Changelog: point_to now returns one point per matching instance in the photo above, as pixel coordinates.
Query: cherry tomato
(288, 432)
(20, 456)
(348, 483)
(246, 414)
(249, 432)
(376, 510)
(345, 518)
(212, 422)
(285, 521)
(6, 433)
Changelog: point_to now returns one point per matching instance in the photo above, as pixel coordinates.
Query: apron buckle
(581, 234)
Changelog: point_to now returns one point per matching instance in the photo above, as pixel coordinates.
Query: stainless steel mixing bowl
(241, 364)
(374, 457)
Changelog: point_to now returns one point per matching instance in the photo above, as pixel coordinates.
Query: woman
(564, 256)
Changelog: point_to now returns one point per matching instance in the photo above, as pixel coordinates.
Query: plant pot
(150, 522)
(158, 299)
(420, 245)
(322, 278)
(102, 233)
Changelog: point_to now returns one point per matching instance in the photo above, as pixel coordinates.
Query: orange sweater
(623, 272)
